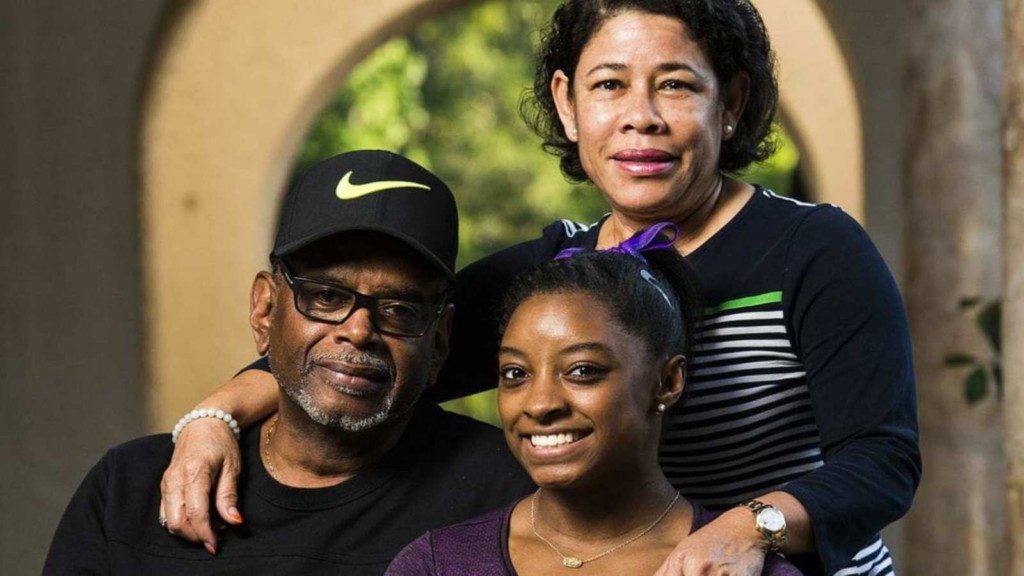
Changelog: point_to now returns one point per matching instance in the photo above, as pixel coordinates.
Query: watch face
(771, 519)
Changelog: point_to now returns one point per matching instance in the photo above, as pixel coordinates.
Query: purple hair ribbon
(648, 239)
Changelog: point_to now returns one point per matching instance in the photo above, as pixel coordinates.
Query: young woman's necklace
(575, 562)
(266, 449)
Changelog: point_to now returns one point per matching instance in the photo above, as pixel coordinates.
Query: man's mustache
(356, 359)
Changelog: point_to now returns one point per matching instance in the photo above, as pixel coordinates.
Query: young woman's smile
(576, 391)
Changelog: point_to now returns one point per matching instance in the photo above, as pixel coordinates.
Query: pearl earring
(575, 133)
(661, 408)
(728, 129)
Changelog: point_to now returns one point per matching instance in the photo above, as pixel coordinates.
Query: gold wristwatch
(770, 522)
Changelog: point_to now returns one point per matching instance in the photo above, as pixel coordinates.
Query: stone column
(1013, 275)
(72, 373)
(952, 170)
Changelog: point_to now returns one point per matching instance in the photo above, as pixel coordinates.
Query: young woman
(593, 353)
(802, 391)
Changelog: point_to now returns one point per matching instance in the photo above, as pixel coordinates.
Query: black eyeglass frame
(361, 300)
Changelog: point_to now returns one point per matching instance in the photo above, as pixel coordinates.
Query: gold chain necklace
(575, 562)
(266, 449)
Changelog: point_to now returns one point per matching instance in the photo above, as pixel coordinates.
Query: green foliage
(381, 106)
(777, 172)
(448, 97)
(987, 315)
(976, 385)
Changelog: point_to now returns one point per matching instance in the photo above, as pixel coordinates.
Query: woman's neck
(598, 513)
(697, 220)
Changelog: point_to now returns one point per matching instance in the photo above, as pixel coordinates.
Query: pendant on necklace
(570, 562)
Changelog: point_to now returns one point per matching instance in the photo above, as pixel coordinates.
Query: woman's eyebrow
(586, 347)
(613, 66)
(677, 66)
(664, 67)
(510, 350)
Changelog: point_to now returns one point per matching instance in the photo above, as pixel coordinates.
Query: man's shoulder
(449, 431)
(462, 445)
(141, 452)
(124, 471)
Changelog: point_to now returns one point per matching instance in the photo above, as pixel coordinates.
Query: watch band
(775, 538)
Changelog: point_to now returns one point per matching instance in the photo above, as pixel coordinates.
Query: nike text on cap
(371, 190)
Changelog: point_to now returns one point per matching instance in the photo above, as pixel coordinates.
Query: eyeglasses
(333, 304)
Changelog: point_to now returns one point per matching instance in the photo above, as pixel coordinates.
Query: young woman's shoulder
(470, 547)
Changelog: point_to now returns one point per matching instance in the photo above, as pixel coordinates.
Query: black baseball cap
(375, 191)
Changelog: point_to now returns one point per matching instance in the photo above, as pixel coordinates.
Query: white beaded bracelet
(205, 413)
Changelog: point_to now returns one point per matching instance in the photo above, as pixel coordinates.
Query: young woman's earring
(575, 132)
(661, 408)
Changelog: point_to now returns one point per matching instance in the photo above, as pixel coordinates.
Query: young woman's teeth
(554, 439)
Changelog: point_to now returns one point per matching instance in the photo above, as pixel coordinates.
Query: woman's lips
(645, 162)
(553, 447)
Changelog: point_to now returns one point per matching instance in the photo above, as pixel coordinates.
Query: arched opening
(227, 111)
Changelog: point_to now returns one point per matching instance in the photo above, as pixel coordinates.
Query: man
(353, 316)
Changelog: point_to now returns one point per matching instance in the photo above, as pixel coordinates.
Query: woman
(802, 390)
(593, 352)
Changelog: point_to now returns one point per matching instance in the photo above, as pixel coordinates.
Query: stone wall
(71, 327)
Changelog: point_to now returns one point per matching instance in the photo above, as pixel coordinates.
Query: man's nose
(357, 329)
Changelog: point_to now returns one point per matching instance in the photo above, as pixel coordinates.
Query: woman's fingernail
(210, 548)
(236, 517)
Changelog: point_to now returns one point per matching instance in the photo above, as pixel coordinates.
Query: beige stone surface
(72, 376)
(1013, 276)
(819, 101)
(952, 154)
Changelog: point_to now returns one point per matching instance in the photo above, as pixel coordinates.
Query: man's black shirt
(446, 468)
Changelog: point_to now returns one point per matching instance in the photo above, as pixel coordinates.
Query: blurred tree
(448, 97)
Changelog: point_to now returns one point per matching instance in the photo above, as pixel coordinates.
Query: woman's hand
(206, 457)
(729, 545)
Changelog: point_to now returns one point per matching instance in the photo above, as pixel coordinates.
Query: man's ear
(442, 342)
(673, 377)
(561, 91)
(261, 307)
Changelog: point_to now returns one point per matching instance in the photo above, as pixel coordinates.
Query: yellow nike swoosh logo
(346, 190)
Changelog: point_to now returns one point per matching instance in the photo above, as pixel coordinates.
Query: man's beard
(298, 391)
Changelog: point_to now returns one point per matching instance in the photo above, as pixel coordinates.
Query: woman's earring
(661, 408)
(575, 132)
(728, 129)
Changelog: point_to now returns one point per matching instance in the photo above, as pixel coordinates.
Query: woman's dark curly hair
(661, 312)
(733, 38)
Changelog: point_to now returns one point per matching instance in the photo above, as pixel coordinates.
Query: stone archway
(232, 93)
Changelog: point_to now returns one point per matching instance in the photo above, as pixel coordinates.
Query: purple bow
(645, 240)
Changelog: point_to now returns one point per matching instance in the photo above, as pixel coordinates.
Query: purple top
(479, 547)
